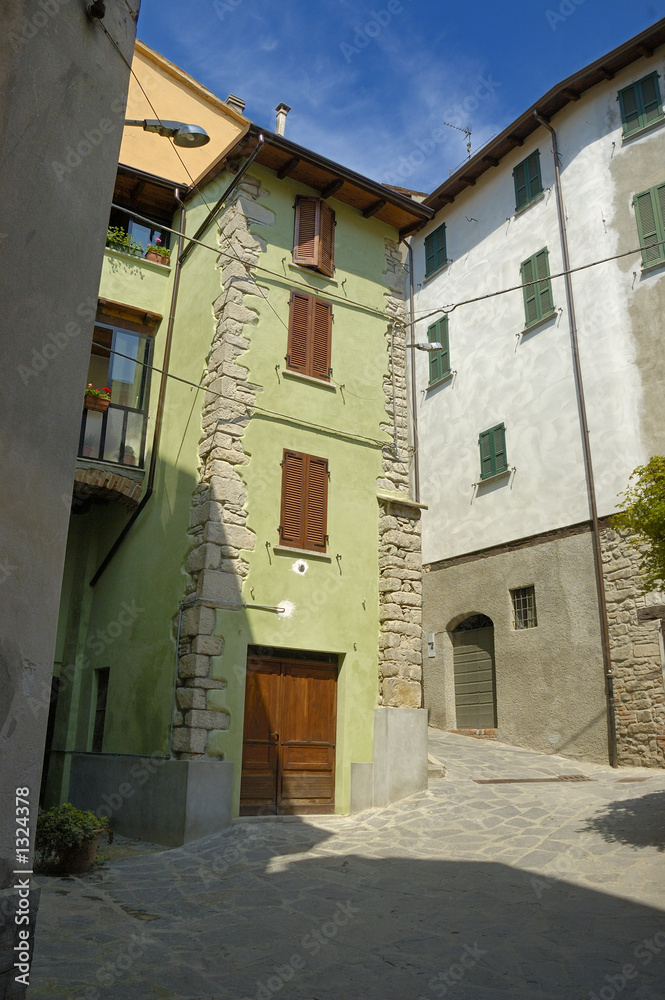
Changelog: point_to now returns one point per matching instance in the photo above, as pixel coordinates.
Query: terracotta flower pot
(96, 403)
(157, 258)
(80, 859)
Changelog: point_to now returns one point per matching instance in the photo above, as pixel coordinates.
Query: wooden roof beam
(606, 74)
(645, 50)
(515, 139)
(374, 208)
(572, 95)
(332, 188)
(288, 167)
(468, 181)
(492, 160)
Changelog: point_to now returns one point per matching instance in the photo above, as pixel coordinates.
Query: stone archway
(475, 680)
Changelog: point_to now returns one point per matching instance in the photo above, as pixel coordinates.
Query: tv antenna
(467, 133)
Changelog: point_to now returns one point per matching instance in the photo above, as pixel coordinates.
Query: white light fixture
(429, 346)
(181, 133)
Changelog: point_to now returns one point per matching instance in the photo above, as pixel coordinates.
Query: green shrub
(62, 828)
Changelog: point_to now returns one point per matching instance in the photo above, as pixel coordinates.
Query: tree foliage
(643, 514)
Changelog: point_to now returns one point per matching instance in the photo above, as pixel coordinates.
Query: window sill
(286, 550)
(497, 475)
(441, 381)
(313, 273)
(642, 131)
(538, 322)
(150, 264)
(656, 266)
(310, 379)
(534, 201)
(439, 270)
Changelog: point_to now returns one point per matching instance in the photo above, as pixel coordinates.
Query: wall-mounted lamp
(433, 346)
(181, 133)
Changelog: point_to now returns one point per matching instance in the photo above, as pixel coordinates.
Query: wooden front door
(475, 693)
(288, 753)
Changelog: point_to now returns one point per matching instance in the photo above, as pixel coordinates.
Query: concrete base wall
(400, 753)
(549, 679)
(170, 802)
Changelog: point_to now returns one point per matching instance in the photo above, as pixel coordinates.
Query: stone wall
(218, 517)
(400, 563)
(635, 645)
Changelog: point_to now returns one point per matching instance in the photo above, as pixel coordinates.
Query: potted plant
(66, 839)
(157, 253)
(97, 399)
(119, 239)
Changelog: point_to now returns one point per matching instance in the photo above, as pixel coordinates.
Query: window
(310, 334)
(528, 182)
(435, 250)
(314, 239)
(538, 301)
(304, 501)
(143, 232)
(650, 217)
(119, 360)
(439, 361)
(524, 608)
(493, 458)
(640, 104)
(100, 709)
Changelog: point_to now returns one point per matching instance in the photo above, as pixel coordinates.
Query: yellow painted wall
(175, 96)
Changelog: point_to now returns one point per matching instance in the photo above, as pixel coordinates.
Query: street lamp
(433, 345)
(182, 134)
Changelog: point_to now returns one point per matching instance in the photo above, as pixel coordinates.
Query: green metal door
(475, 697)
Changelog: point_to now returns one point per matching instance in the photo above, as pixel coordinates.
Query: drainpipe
(414, 392)
(160, 404)
(586, 445)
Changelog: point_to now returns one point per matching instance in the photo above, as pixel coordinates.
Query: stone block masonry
(400, 562)
(636, 653)
(218, 519)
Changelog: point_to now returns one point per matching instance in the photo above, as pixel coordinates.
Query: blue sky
(369, 83)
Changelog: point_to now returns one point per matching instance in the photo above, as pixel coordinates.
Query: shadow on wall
(251, 920)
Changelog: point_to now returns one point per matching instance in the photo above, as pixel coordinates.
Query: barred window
(524, 607)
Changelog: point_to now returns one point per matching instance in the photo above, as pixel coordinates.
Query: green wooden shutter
(652, 108)
(630, 112)
(533, 175)
(538, 298)
(499, 448)
(521, 187)
(439, 361)
(493, 456)
(528, 183)
(530, 293)
(650, 217)
(435, 250)
(486, 465)
(640, 104)
(542, 269)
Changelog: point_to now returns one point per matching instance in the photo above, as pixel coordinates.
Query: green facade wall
(335, 602)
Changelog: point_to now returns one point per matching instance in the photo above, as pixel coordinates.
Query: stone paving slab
(466, 891)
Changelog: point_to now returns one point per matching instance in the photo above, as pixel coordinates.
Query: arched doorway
(475, 685)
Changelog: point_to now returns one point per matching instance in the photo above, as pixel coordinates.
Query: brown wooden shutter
(320, 340)
(327, 240)
(317, 504)
(292, 522)
(307, 230)
(297, 353)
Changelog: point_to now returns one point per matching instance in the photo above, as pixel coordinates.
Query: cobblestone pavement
(539, 889)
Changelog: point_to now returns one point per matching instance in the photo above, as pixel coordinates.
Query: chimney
(236, 103)
(282, 111)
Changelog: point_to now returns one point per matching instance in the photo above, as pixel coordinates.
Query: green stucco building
(240, 617)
